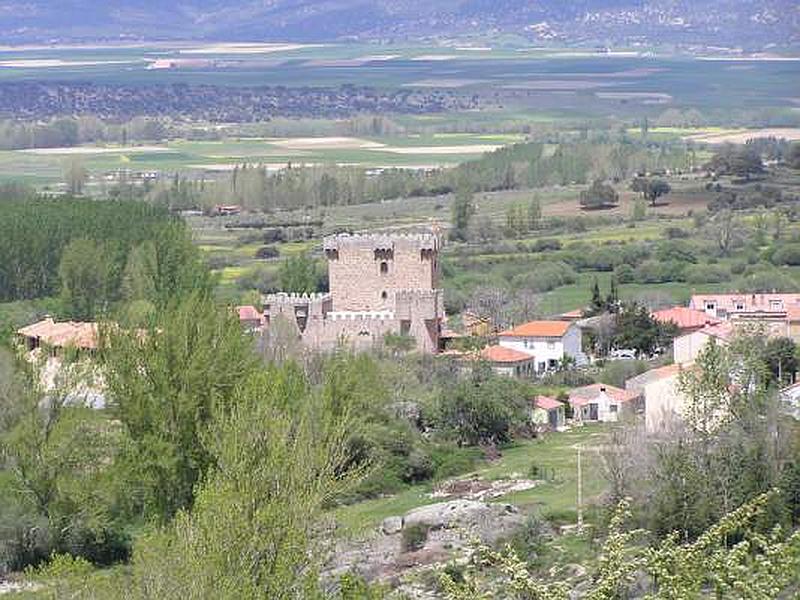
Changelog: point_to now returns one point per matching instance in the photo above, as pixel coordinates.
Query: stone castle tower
(379, 284)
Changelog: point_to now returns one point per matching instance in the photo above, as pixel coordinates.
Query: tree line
(94, 254)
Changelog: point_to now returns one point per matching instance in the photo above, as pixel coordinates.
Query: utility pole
(580, 492)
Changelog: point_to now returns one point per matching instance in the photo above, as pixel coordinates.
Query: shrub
(415, 536)
(707, 274)
(545, 277)
(624, 273)
(787, 255)
(267, 252)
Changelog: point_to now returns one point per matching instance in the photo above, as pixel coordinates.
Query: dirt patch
(325, 143)
(466, 149)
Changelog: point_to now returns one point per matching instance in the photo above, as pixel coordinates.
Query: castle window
(332, 254)
(384, 295)
(384, 268)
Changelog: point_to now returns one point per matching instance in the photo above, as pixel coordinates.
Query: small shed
(548, 412)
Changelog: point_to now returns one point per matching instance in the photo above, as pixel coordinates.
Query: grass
(555, 453)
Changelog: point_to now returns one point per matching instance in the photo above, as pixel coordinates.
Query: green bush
(707, 274)
(787, 255)
(414, 537)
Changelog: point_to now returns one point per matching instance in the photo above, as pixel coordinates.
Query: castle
(379, 284)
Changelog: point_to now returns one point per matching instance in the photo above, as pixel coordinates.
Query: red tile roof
(547, 403)
(60, 335)
(723, 331)
(552, 329)
(248, 313)
(685, 318)
(500, 354)
(583, 395)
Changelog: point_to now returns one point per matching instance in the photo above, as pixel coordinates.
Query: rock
(392, 525)
(446, 514)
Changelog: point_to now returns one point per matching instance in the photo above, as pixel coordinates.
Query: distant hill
(750, 24)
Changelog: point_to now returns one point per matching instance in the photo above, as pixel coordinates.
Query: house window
(384, 268)
(612, 408)
(739, 306)
(710, 306)
(775, 304)
(551, 345)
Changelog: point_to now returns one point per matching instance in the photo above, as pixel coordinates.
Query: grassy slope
(556, 499)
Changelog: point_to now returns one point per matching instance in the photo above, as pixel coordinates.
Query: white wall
(605, 414)
(663, 403)
(546, 349)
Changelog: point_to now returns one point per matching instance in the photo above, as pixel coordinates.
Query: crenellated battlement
(296, 298)
(348, 315)
(382, 241)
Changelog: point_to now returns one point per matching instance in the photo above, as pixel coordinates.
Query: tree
(637, 329)
(299, 274)
(599, 195)
(141, 271)
(85, 272)
(58, 487)
(482, 410)
(651, 189)
(723, 228)
(534, 213)
(166, 387)
(741, 161)
(75, 176)
(255, 529)
(782, 361)
(462, 212)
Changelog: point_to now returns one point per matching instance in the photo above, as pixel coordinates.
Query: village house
(549, 413)
(778, 312)
(507, 361)
(602, 403)
(549, 342)
(47, 343)
(379, 284)
(664, 403)
(686, 320)
(57, 337)
(686, 348)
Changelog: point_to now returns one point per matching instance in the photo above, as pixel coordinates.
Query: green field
(212, 159)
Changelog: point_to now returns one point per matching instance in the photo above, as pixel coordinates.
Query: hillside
(747, 24)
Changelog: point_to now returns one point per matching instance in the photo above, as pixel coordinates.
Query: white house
(601, 403)
(790, 400)
(548, 341)
(663, 401)
(547, 412)
(507, 361)
(686, 348)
